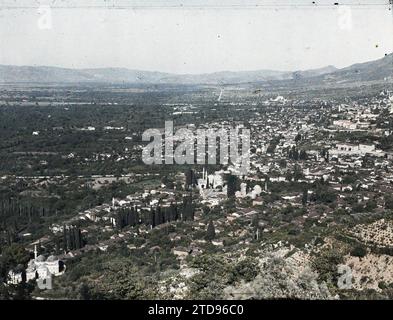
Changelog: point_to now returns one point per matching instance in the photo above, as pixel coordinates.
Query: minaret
(391, 103)
(35, 252)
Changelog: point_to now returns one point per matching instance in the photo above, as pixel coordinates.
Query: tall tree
(211, 231)
(232, 185)
(305, 197)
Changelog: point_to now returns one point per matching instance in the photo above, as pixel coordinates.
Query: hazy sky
(194, 39)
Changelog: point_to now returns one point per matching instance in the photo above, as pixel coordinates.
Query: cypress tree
(210, 232)
(304, 197)
(65, 247)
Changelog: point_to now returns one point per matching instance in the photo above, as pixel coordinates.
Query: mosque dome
(52, 258)
(40, 258)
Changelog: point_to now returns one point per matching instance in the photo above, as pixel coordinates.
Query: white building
(360, 149)
(347, 124)
(39, 268)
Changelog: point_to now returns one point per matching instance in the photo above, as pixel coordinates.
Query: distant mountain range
(369, 71)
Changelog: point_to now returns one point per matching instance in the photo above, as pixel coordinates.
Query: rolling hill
(381, 69)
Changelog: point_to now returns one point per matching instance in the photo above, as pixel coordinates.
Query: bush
(389, 202)
(326, 265)
(358, 251)
(245, 270)
(382, 285)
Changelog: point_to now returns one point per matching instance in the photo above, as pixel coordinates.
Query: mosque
(211, 185)
(38, 268)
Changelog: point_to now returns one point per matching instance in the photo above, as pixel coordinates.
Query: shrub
(358, 251)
